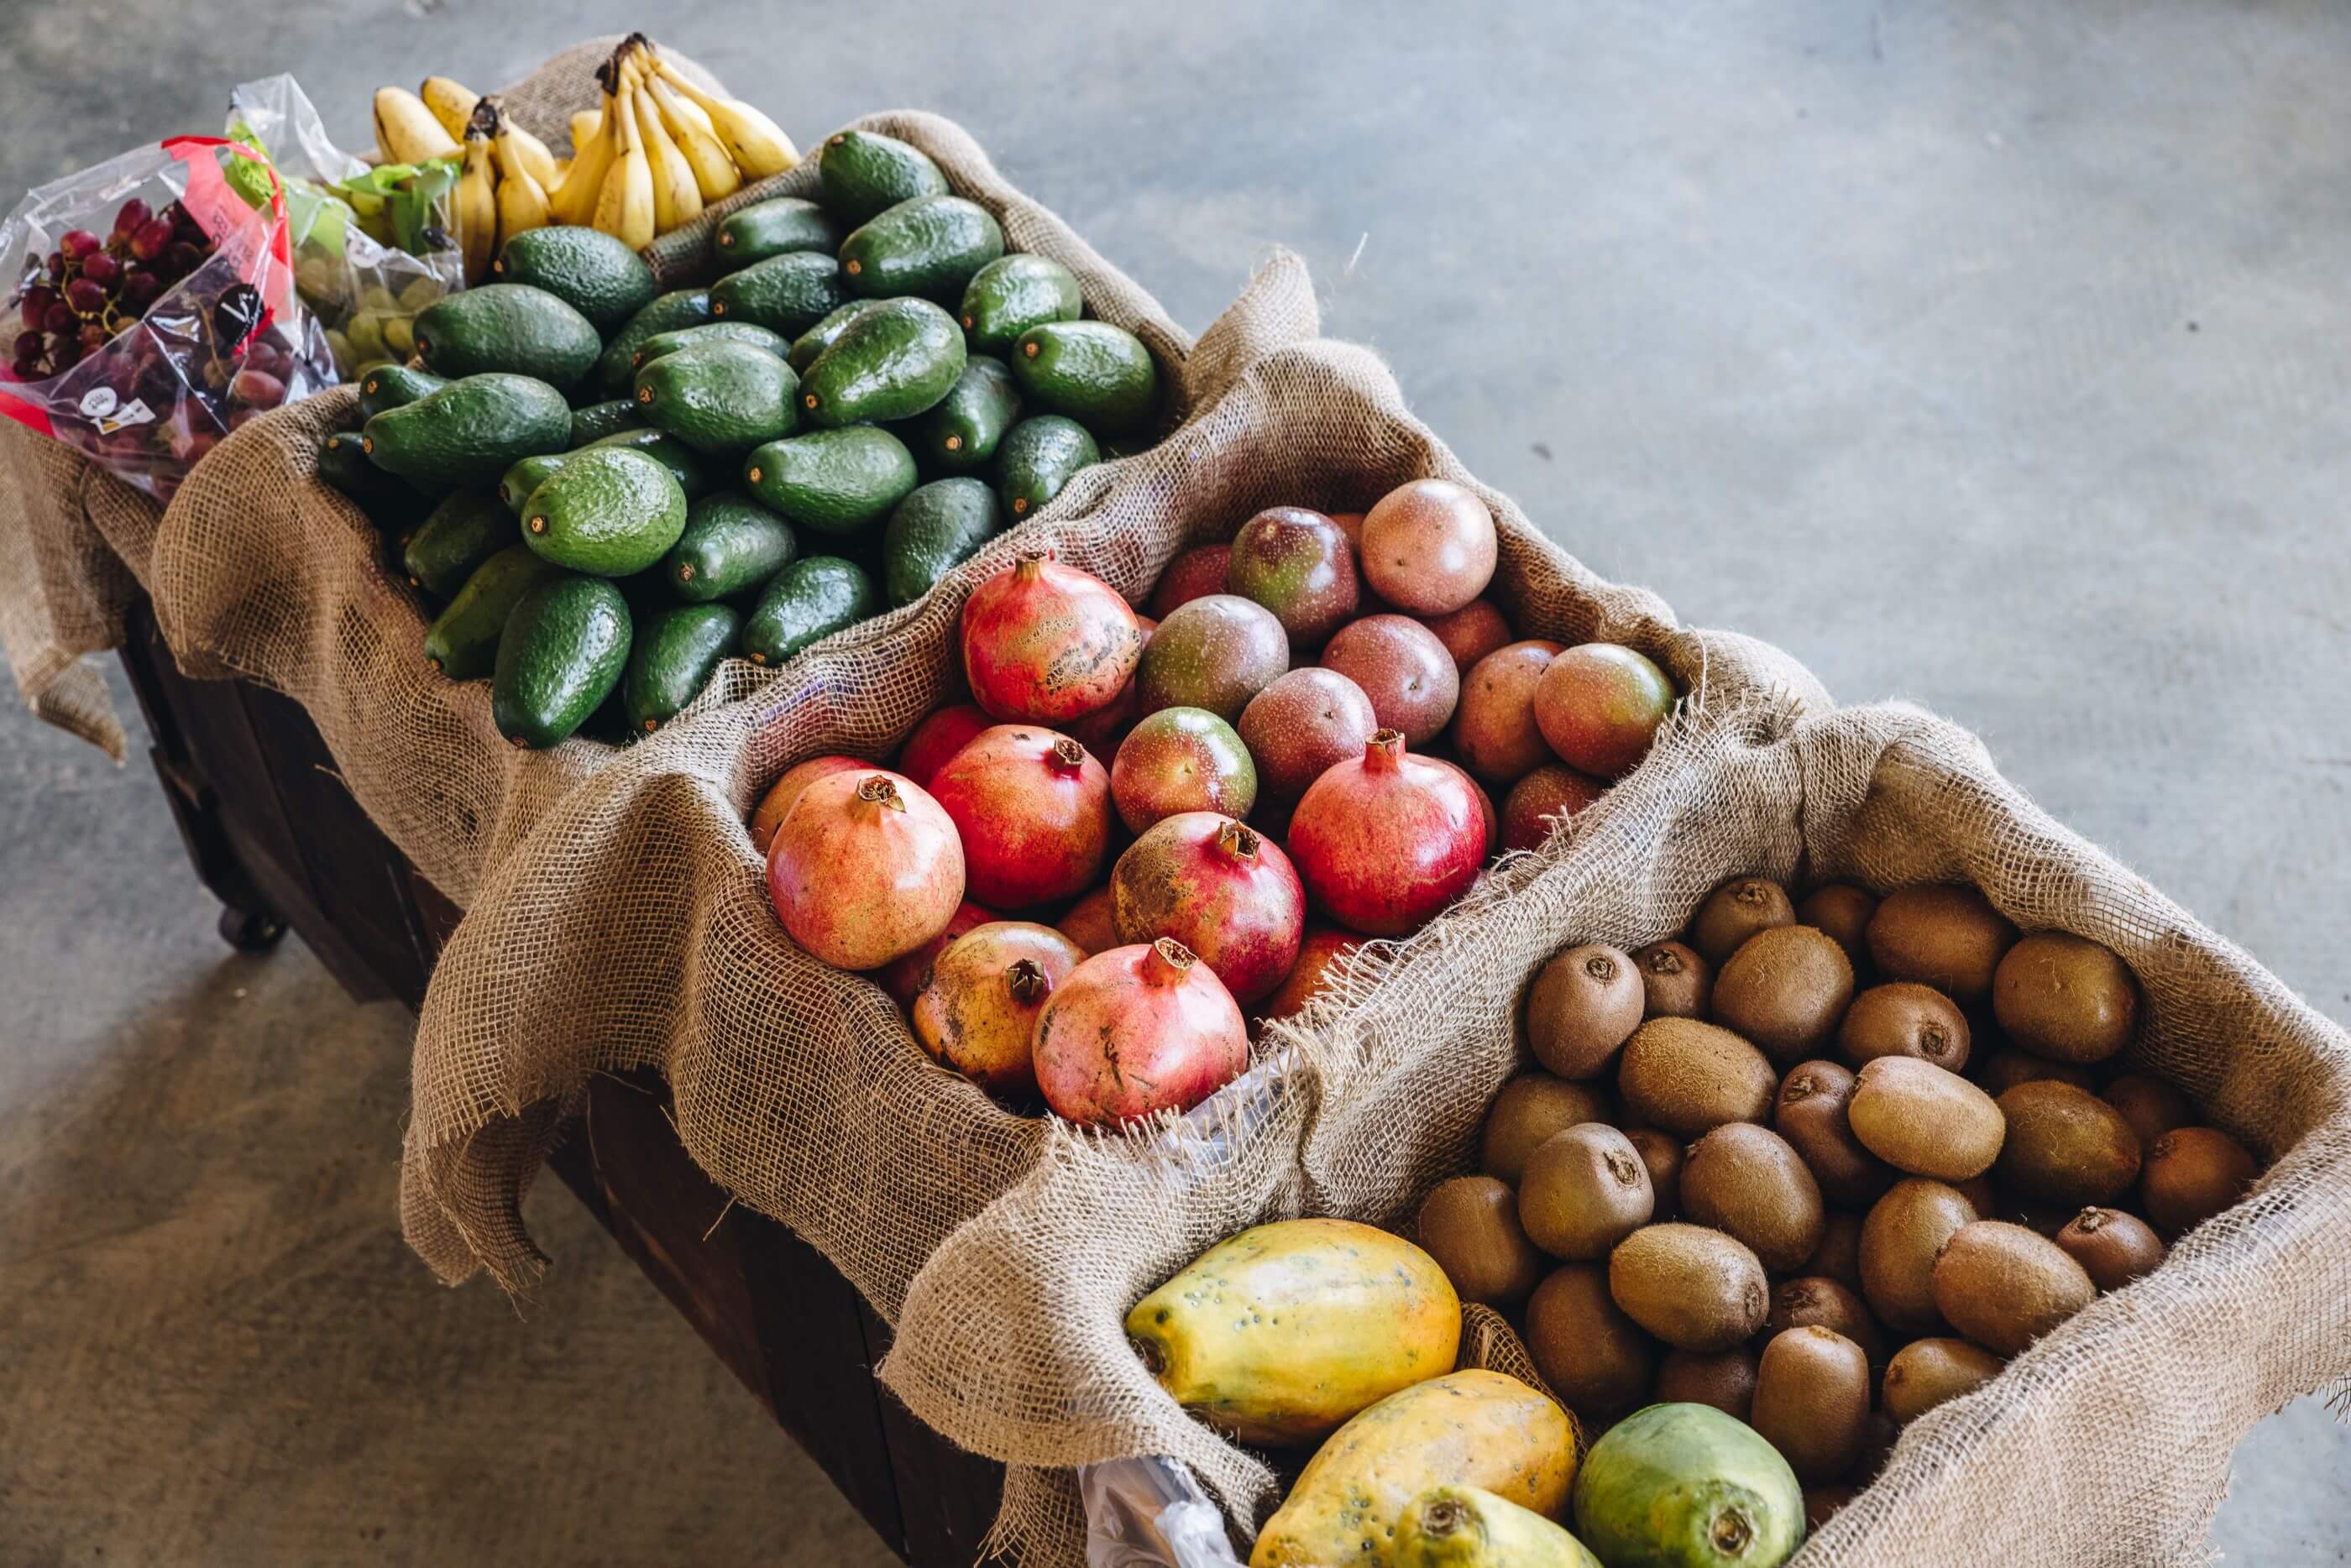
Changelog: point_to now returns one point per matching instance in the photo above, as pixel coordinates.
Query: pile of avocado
(607, 491)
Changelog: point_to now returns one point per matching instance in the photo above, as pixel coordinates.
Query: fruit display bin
(2107, 1441)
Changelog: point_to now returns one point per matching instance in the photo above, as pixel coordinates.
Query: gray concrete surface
(1990, 355)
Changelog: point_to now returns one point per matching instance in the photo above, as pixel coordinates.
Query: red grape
(175, 213)
(77, 243)
(153, 238)
(183, 257)
(29, 344)
(26, 369)
(257, 387)
(140, 288)
(57, 264)
(94, 337)
(129, 216)
(103, 267)
(59, 317)
(87, 296)
(36, 303)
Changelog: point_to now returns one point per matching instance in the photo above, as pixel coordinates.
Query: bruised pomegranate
(1091, 923)
(1032, 808)
(1136, 1030)
(1221, 888)
(1386, 841)
(902, 977)
(865, 867)
(938, 738)
(978, 1005)
(1321, 947)
(1044, 642)
(780, 796)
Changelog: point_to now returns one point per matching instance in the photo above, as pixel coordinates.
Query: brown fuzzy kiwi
(2064, 1146)
(1662, 1153)
(1838, 1256)
(1809, 1113)
(1689, 1078)
(1926, 1372)
(2151, 1106)
(1784, 989)
(1903, 1018)
(2065, 997)
(1843, 910)
(1584, 1191)
(1899, 1240)
(1529, 1110)
(2190, 1175)
(1579, 1008)
(1815, 1299)
(1735, 911)
(1693, 1288)
(2008, 1066)
(1812, 1400)
(2004, 1286)
(2113, 1248)
(1917, 1117)
(1471, 1226)
(1747, 1182)
(1822, 1503)
(1977, 1190)
(1591, 1353)
(2042, 1219)
(1876, 1445)
(1942, 935)
(1722, 1378)
(1674, 981)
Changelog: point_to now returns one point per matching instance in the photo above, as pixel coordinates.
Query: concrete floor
(1987, 354)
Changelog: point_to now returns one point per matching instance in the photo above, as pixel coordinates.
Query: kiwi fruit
(1812, 1400)
(1662, 1153)
(1689, 1077)
(1584, 1191)
(1747, 1183)
(2008, 1066)
(2065, 997)
(2043, 1219)
(1809, 1113)
(1693, 1288)
(1735, 911)
(1591, 1353)
(1471, 1226)
(1843, 910)
(1926, 1372)
(2004, 1286)
(1676, 982)
(1838, 1256)
(1784, 989)
(1812, 1299)
(1822, 1503)
(1529, 1110)
(2064, 1146)
(1582, 1005)
(1722, 1378)
(1903, 1018)
(1877, 1440)
(1900, 1239)
(2151, 1106)
(1919, 1119)
(1977, 1190)
(2190, 1175)
(2113, 1248)
(1942, 935)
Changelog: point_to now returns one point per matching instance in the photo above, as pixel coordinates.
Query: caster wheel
(251, 931)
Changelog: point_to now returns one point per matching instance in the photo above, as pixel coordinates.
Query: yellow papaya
(1468, 1527)
(1280, 1334)
(1469, 1429)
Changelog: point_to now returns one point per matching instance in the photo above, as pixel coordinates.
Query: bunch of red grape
(94, 288)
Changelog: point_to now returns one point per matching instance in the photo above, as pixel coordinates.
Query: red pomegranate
(1033, 811)
(1135, 1031)
(1386, 841)
(902, 977)
(866, 867)
(1221, 888)
(1090, 923)
(979, 1004)
(1323, 946)
(1101, 730)
(938, 738)
(1044, 642)
(782, 794)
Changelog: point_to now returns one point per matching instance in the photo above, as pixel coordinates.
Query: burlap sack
(2107, 1443)
(635, 928)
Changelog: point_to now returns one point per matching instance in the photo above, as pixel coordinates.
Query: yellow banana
(518, 148)
(714, 173)
(406, 131)
(576, 198)
(523, 202)
(757, 145)
(452, 103)
(677, 198)
(625, 206)
(478, 208)
(584, 128)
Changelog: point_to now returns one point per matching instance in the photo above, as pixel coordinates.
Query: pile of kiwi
(1822, 1166)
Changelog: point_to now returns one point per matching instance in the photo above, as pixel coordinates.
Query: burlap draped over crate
(635, 928)
(2106, 1444)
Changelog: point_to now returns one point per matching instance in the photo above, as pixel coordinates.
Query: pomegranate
(1553, 790)
(1101, 730)
(1485, 801)
(1090, 922)
(866, 867)
(979, 1004)
(1600, 704)
(1221, 888)
(1189, 576)
(1181, 759)
(902, 977)
(780, 794)
(939, 737)
(1136, 1030)
(1032, 808)
(1044, 642)
(1386, 841)
(1321, 947)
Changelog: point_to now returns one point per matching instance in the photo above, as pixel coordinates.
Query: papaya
(1467, 1429)
(1282, 1333)
(1687, 1485)
(1467, 1527)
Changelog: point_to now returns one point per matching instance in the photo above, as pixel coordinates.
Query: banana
(585, 127)
(522, 201)
(528, 151)
(714, 173)
(477, 207)
(576, 198)
(406, 131)
(755, 143)
(452, 103)
(677, 198)
(624, 204)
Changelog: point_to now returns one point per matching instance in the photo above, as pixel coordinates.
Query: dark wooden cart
(275, 834)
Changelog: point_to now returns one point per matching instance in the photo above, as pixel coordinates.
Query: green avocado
(597, 421)
(891, 363)
(1014, 293)
(560, 655)
(463, 532)
(608, 511)
(685, 464)
(676, 651)
(933, 531)
(470, 431)
(594, 274)
(787, 294)
(807, 601)
(661, 343)
(832, 482)
(865, 173)
(731, 546)
(462, 643)
(509, 326)
(1097, 374)
(818, 339)
(669, 312)
(1037, 458)
(514, 489)
(961, 433)
(389, 502)
(773, 228)
(930, 246)
(721, 399)
(394, 386)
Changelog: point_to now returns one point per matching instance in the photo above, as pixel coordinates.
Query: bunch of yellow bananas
(509, 177)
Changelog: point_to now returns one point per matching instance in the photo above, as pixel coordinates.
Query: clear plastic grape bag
(150, 310)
